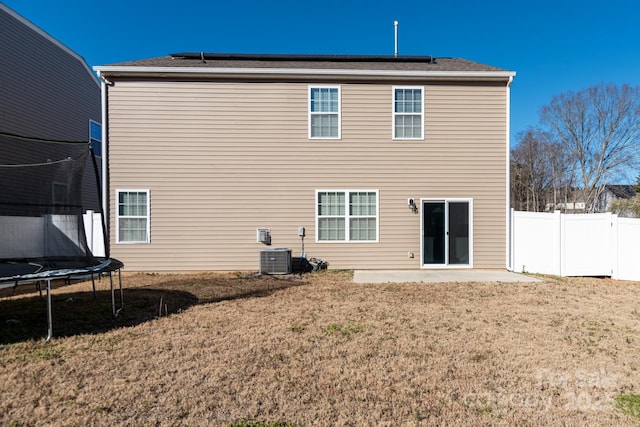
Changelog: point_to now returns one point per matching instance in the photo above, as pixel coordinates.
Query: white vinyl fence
(575, 244)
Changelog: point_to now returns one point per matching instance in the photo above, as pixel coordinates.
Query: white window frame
(347, 217)
(395, 114)
(312, 113)
(119, 217)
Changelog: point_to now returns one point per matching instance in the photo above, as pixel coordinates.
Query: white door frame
(446, 201)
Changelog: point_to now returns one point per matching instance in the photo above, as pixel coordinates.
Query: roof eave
(299, 73)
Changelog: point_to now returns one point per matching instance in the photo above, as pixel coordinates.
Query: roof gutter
(195, 72)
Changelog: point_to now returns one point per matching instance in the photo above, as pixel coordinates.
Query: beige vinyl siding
(222, 159)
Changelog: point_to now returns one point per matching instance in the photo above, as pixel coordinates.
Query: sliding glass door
(446, 232)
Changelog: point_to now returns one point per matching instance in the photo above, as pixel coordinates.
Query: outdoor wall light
(412, 205)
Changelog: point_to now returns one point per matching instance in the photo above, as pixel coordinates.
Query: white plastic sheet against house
(575, 244)
(93, 230)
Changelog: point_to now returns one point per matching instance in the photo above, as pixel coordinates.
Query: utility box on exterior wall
(263, 235)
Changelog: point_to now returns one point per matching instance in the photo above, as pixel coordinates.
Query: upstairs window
(95, 137)
(347, 216)
(324, 112)
(408, 116)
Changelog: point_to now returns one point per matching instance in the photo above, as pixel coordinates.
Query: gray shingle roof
(337, 62)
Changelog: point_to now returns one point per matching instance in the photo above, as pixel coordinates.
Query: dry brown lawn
(218, 349)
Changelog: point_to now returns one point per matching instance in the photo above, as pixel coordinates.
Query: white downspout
(104, 163)
(509, 230)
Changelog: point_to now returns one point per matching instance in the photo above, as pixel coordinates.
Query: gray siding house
(48, 92)
(387, 162)
(613, 192)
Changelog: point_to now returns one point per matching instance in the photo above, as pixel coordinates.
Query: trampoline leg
(113, 294)
(93, 283)
(49, 318)
(121, 292)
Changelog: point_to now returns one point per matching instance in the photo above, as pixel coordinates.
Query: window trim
(118, 216)
(347, 216)
(311, 113)
(394, 114)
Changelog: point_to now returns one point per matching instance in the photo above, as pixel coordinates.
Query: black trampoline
(45, 187)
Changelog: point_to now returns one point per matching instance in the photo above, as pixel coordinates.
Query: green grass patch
(245, 423)
(347, 331)
(298, 328)
(49, 351)
(629, 404)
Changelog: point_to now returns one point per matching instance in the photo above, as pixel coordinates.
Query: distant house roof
(621, 191)
(327, 66)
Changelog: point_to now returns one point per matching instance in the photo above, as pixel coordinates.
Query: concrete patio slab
(439, 276)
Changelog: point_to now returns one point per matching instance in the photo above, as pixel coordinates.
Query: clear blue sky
(554, 46)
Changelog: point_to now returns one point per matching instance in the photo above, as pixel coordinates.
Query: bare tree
(539, 172)
(600, 129)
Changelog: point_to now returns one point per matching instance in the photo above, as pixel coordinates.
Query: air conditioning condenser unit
(275, 261)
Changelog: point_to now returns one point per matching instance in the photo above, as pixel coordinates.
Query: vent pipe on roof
(395, 28)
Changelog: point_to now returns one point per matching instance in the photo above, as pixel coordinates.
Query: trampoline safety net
(45, 187)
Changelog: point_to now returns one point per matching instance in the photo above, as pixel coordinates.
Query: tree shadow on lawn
(75, 313)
